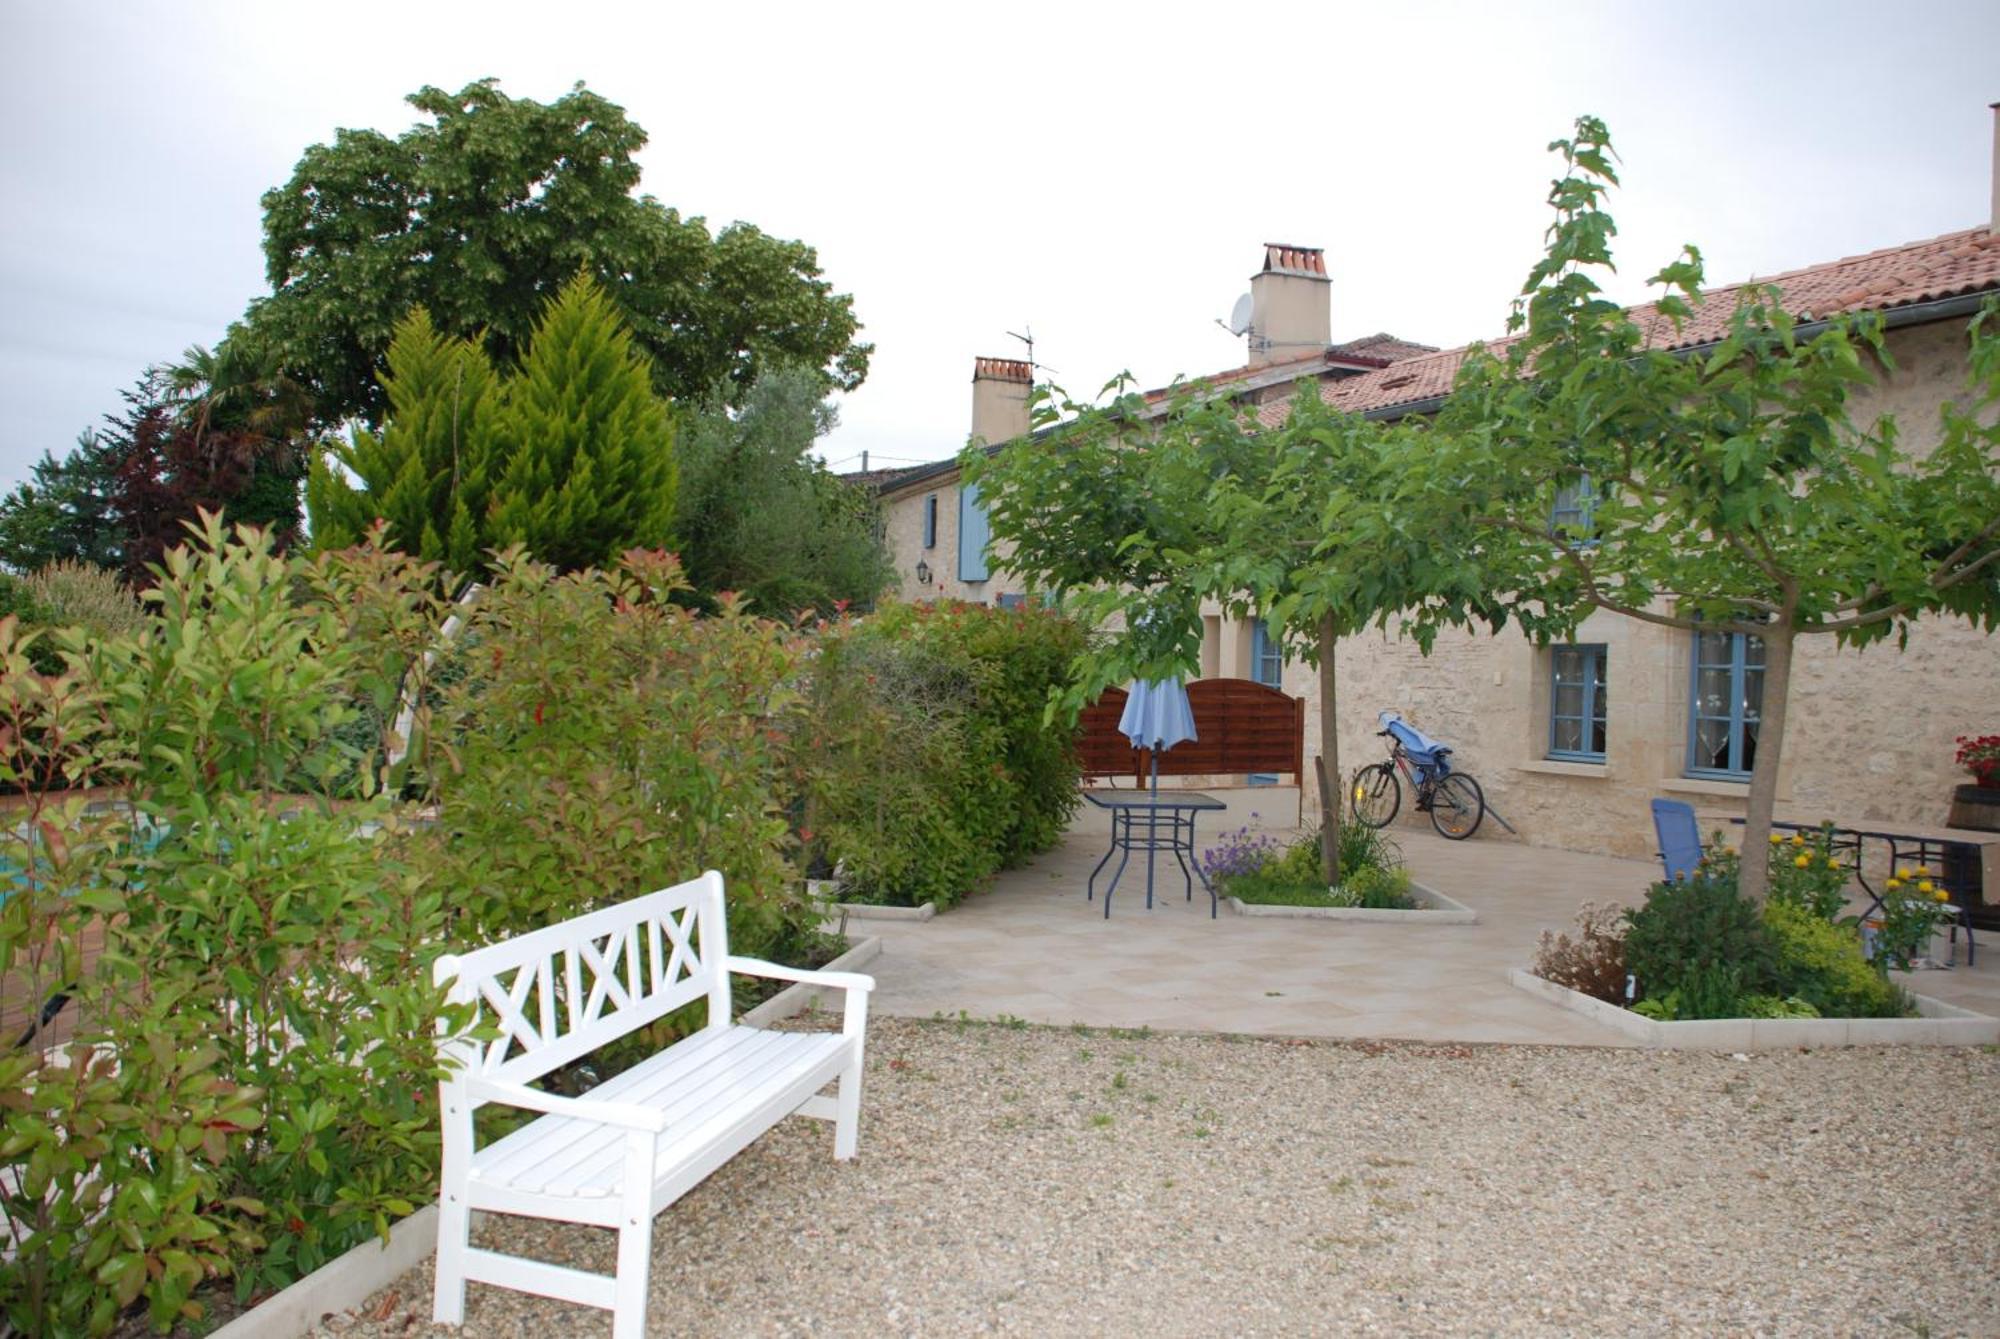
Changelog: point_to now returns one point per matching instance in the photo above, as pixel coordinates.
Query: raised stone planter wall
(1941, 1024)
(1433, 908)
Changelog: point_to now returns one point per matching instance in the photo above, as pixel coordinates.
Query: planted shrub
(1821, 963)
(1593, 962)
(1701, 941)
(924, 764)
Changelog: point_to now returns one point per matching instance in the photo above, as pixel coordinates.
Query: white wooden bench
(637, 1142)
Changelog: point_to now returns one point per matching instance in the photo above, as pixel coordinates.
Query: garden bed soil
(1938, 1024)
(1433, 908)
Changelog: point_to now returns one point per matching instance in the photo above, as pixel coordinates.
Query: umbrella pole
(1153, 826)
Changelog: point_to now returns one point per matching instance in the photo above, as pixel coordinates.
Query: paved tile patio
(1031, 947)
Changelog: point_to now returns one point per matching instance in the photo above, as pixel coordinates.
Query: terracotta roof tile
(1941, 267)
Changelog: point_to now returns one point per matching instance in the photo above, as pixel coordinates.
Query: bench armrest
(758, 967)
(533, 1099)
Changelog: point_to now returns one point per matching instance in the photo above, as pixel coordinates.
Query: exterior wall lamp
(923, 573)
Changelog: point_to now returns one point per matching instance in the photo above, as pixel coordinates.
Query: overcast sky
(1104, 175)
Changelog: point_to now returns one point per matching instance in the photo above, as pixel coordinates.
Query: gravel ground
(1030, 1180)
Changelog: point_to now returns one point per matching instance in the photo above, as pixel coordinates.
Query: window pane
(1712, 693)
(1753, 694)
(1597, 735)
(1711, 745)
(1569, 666)
(1567, 737)
(1753, 651)
(1713, 648)
(1569, 699)
(1749, 745)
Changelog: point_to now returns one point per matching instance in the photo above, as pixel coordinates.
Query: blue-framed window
(1579, 692)
(1011, 601)
(1267, 656)
(1267, 666)
(1574, 514)
(930, 521)
(1725, 704)
(973, 534)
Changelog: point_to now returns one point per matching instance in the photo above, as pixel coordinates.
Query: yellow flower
(1903, 873)
(1798, 839)
(1926, 887)
(1894, 884)
(1803, 861)
(1777, 837)
(1358, 793)
(1943, 896)
(1923, 870)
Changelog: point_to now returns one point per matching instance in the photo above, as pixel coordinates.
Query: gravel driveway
(1031, 1180)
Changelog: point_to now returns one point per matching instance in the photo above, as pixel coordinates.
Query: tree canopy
(481, 214)
(1725, 489)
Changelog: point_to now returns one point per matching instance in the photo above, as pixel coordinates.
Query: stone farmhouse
(1572, 741)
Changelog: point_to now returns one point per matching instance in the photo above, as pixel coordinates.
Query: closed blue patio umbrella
(1156, 717)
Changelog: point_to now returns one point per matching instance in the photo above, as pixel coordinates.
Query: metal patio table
(1913, 843)
(1152, 821)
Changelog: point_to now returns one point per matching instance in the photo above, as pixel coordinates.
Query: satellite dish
(1239, 315)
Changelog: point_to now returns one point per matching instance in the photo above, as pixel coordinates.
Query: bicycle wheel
(1376, 795)
(1457, 805)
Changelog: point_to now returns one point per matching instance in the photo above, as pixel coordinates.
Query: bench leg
(454, 1227)
(847, 1112)
(635, 1240)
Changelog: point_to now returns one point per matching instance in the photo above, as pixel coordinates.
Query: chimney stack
(1290, 307)
(1000, 388)
(1993, 217)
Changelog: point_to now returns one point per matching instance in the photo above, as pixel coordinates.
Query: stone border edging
(865, 911)
(1941, 1024)
(869, 911)
(794, 998)
(1441, 910)
(344, 1283)
(341, 1284)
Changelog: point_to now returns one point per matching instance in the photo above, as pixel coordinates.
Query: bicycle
(1454, 800)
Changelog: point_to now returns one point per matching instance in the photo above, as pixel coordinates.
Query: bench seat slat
(718, 1070)
(690, 1060)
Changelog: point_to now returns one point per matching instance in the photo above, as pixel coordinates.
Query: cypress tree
(427, 472)
(589, 447)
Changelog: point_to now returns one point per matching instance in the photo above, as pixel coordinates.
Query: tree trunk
(1756, 879)
(1329, 752)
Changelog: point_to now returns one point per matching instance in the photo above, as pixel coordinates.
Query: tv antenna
(1029, 340)
(1239, 316)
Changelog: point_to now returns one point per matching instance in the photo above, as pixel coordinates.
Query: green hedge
(250, 1088)
(926, 762)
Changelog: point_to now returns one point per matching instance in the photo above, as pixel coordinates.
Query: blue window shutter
(973, 534)
(930, 521)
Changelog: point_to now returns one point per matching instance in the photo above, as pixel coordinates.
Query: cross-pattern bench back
(558, 993)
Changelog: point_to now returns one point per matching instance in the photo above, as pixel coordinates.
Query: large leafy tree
(1729, 490)
(759, 514)
(482, 213)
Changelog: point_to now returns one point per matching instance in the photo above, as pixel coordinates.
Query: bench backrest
(560, 992)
